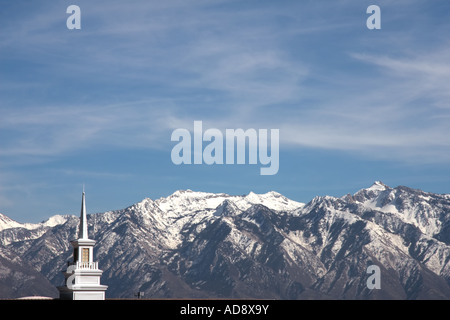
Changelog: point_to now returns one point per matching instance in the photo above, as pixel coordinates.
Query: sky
(96, 106)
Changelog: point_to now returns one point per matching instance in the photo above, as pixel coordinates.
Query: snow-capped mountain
(202, 245)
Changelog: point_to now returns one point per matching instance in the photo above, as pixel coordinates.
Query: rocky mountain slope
(204, 245)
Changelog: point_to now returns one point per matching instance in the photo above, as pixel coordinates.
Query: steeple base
(85, 293)
(82, 282)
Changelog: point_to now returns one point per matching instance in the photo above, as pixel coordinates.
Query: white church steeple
(82, 277)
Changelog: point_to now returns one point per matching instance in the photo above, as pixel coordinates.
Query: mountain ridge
(204, 245)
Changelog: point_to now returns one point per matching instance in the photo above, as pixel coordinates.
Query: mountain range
(258, 246)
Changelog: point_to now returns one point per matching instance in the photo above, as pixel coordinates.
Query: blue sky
(97, 106)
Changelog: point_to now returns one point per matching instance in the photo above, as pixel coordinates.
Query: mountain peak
(226, 208)
(273, 200)
(274, 194)
(378, 185)
(372, 192)
(188, 193)
(182, 192)
(6, 222)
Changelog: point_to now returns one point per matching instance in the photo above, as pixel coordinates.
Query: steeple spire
(83, 232)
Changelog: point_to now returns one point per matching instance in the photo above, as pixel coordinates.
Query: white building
(82, 277)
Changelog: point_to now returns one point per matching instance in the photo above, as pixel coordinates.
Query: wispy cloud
(169, 64)
(166, 64)
(56, 130)
(400, 112)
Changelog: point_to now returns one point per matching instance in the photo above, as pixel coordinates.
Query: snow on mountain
(272, 200)
(378, 186)
(190, 201)
(53, 221)
(424, 210)
(7, 223)
(170, 214)
(200, 244)
(18, 278)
